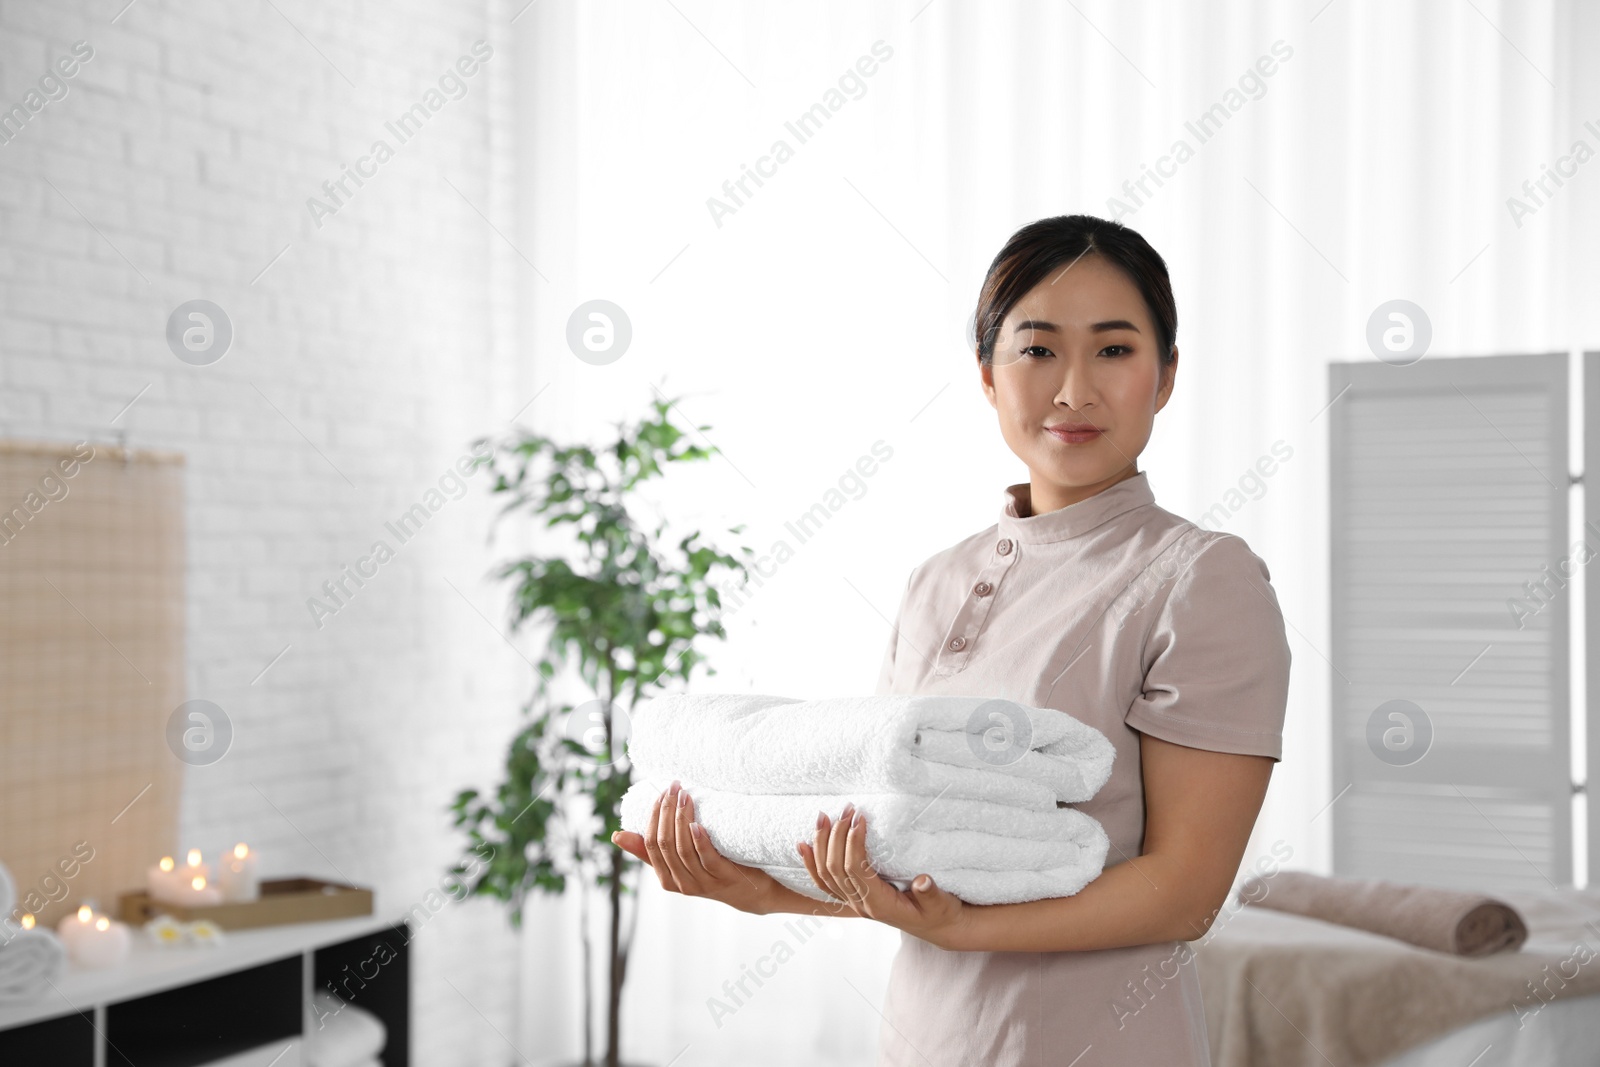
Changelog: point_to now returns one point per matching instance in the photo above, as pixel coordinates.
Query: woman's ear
(1169, 376)
(986, 379)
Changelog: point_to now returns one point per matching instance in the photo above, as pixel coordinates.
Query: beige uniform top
(1132, 620)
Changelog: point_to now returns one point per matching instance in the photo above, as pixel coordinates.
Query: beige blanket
(1282, 990)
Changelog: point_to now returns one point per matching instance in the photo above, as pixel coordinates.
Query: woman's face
(1079, 348)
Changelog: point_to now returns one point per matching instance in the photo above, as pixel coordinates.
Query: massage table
(1282, 990)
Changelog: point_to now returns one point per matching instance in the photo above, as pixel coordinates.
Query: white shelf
(152, 968)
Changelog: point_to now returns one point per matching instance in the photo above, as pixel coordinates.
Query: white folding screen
(1450, 621)
(1587, 731)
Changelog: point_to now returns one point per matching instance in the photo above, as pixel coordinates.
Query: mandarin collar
(1019, 524)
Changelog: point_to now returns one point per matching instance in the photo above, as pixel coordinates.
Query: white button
(1004, 547)
(957, 644)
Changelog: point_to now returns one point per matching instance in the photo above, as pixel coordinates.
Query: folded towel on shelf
(983, 852)
(342, 1034)
(30, 962)
(1445, 920)
(954, 747)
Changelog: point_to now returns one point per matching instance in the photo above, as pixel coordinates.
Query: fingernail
(683, 798)
(822, 820)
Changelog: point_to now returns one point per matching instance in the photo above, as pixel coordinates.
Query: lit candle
(163, 880)
(237, 876)
(100, 945)
(72, 927)
(187, 884)
(195, 869)
(197, 892)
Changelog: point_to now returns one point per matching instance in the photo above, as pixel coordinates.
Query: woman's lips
(1075, 438)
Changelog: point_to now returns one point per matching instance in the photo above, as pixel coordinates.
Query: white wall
(365, 360)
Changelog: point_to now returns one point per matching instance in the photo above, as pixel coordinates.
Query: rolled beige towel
(1445, 920)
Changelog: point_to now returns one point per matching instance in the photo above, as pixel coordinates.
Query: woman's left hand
(838, 864)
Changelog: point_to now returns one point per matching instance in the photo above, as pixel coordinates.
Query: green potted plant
(632, 616)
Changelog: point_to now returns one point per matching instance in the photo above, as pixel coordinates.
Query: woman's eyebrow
(1098, 327)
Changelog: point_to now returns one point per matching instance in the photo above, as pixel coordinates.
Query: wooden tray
(283, 900)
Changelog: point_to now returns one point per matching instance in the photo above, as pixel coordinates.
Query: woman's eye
(1039, 351)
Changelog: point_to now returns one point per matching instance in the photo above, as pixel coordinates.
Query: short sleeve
(1216, 659)
(886, 671)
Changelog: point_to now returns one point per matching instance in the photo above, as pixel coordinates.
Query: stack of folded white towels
(30, 960)
(969, 790)
(344, 1035)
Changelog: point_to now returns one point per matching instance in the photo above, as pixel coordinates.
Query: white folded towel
(342, 1035)
(950, 746)
(974, 887)
(983, 852)
(29, 963)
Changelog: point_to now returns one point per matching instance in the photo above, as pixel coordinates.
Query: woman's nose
(1077, 389)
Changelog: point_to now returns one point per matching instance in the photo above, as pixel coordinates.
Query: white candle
(198, 891)
(162, 880)
(103, 944)
(194, 869)
(74, 926)
(237, 876)
(184, 884)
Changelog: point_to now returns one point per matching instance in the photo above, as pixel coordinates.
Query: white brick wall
(190, 143)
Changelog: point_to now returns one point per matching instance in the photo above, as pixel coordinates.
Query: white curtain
(824, 310)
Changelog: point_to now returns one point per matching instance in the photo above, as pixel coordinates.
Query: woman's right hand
(680, 851)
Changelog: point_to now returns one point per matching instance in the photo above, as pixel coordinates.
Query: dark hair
(1038, 249)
